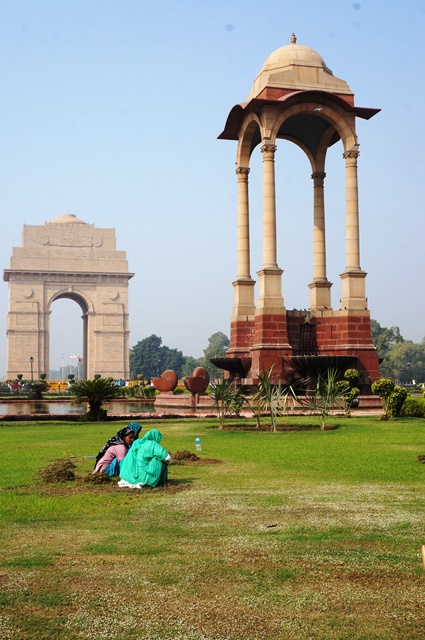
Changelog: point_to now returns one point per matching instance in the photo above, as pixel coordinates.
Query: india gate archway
(68, 258)
(296, 97)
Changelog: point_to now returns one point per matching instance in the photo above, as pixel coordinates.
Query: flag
(79, 358)
(72, 355)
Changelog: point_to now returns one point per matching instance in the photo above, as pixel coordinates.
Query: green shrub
(414, 407)
(383, 388)
(352, 375)
(36, 389)
(350, 392)
(130, 392)
(149, 392)
(396, 401)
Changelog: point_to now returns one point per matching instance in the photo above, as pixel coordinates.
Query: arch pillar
(271, 332)
(270, 297)
(242, 320)
(320, 287)
(353, 278)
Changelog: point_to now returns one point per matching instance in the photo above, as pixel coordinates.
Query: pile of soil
(184, 456)
(59, 470)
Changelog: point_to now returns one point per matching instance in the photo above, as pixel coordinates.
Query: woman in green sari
(146, 464)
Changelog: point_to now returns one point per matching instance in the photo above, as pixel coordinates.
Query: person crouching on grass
(115, 450)
(146, 463)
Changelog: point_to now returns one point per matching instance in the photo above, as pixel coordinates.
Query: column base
(243, 295)
(270, 297)
(320, 294)
(353, 290)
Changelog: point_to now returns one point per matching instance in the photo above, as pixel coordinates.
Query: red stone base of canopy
(278, 338)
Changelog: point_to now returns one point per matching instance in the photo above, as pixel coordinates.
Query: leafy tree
(405, 362)
(95, 393)
(383, 338)
(217, 347)
(190, 365)
(151, 358)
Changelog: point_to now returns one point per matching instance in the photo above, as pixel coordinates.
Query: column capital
(242, 170)
(268, 147)
(352, 153)
(318, 175)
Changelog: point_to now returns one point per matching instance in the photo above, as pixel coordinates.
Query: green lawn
(295, 534)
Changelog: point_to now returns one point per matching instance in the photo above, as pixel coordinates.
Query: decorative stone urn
(198, 382)
(167, 382)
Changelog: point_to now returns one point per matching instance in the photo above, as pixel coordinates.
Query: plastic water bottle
(198, 443)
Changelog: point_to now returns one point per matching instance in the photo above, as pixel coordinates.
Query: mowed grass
(295, 534)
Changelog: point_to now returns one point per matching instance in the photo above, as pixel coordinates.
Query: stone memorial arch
(68, 258)
(297, 98)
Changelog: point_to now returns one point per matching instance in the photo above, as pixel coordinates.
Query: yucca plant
(327, 396)
(271, 398)
(228, 398)
(95, 393)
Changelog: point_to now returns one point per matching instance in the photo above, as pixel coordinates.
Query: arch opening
(66, 347)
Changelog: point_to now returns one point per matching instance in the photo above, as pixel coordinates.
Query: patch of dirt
(421, 458)
(79, 486)
(186, 457)
(98, 478)
(62, 477)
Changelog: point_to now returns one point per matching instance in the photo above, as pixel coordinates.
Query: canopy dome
(299, 68)
(67, 218)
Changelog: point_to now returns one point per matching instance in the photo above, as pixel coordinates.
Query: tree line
(150, 358)
(401, 360)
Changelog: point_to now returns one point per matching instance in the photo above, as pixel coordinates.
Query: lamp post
(31, 363)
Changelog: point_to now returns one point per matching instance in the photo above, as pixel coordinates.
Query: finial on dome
(293, 39)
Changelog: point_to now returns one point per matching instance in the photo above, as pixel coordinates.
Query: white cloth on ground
(128, 485)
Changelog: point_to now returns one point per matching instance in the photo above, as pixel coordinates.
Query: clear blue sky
(111, 111)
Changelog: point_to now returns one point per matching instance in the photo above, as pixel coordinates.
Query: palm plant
(272, 398)
(327, 396)
(228, 398)
(95, 393)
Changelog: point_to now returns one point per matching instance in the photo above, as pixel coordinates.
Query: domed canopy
(67, 218)
(297, 68)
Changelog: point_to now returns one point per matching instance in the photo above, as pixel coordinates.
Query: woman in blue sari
(146, 464)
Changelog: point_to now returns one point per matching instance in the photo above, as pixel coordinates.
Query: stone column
(352, 210)
(270, 298)
(244, 269)
(319, 239)
(241, 324)
(320, 287)
(269, 207)
(353, 278)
